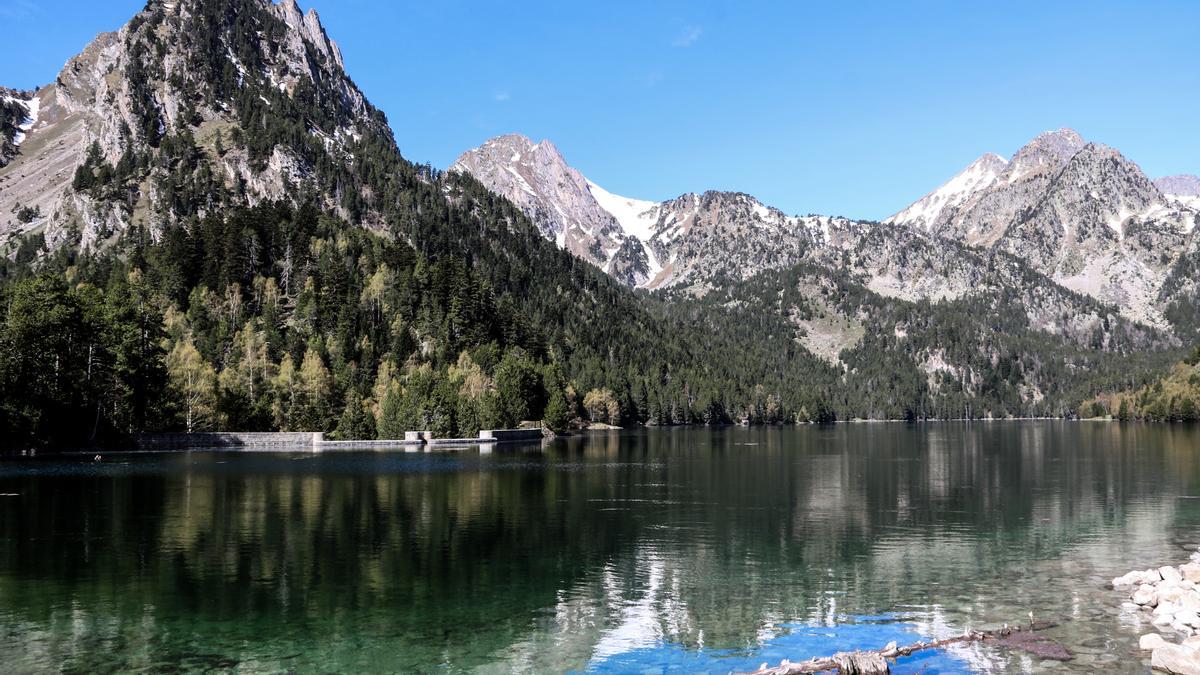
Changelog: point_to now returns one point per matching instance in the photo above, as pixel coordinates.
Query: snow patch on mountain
(637, 217)
(33, 108)
(1186, 201)
(980, 174)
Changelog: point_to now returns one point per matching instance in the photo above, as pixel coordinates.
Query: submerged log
(876, 662)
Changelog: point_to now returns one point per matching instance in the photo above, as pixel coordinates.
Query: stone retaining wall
(264, 439)
(510, 435)
(228, 439)
(351, 445)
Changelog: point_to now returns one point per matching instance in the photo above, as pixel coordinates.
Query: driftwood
(876, 662)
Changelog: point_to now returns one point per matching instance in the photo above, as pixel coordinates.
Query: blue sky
(843, 108)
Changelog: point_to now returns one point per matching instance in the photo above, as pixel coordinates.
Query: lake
(696, 550)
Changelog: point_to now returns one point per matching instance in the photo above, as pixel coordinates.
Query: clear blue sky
(842, 108)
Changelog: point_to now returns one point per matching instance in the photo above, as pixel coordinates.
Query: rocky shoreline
(1172, 596)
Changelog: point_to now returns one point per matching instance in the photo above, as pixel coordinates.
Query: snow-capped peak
(609, 230)
(978, 175)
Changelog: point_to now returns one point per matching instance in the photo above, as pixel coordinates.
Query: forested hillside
(1173, 398)
(279, 318)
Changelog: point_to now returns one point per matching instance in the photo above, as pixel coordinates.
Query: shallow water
(682, 549)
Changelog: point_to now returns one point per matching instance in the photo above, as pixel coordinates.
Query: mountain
(212, 228)
(1102, 228)
(1182, 188)
(186, 81)
(1078, 212)
(983, 209)
(579, 216)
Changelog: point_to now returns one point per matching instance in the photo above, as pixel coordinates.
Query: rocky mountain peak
(309, 25)
(253, 89)
(1098, 185)
(1045, 153)
(1184, 185)
(1100, 227)
(1061, 143)
(578, 215)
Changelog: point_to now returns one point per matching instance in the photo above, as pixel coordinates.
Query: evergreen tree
(356, 422)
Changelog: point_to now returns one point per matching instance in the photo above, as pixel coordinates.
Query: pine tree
(356, 422)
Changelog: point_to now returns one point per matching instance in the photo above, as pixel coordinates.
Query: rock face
(984, 209)
(701, 238)
(689, 240)
(182, 73)
(1101, 228)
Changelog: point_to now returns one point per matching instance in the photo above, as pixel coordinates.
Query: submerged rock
(1038, 645)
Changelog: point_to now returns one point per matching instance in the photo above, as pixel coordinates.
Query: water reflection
(648, 549)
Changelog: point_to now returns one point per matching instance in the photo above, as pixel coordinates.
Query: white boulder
(1169, 573)
(1145, 596)
(1151, 641)
(1190, 571)
(1165, 608)
(1175, 659)
(1189, 601)
(1137, 577)
(1170, 591)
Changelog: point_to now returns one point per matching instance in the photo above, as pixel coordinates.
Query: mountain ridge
(1018, 205)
